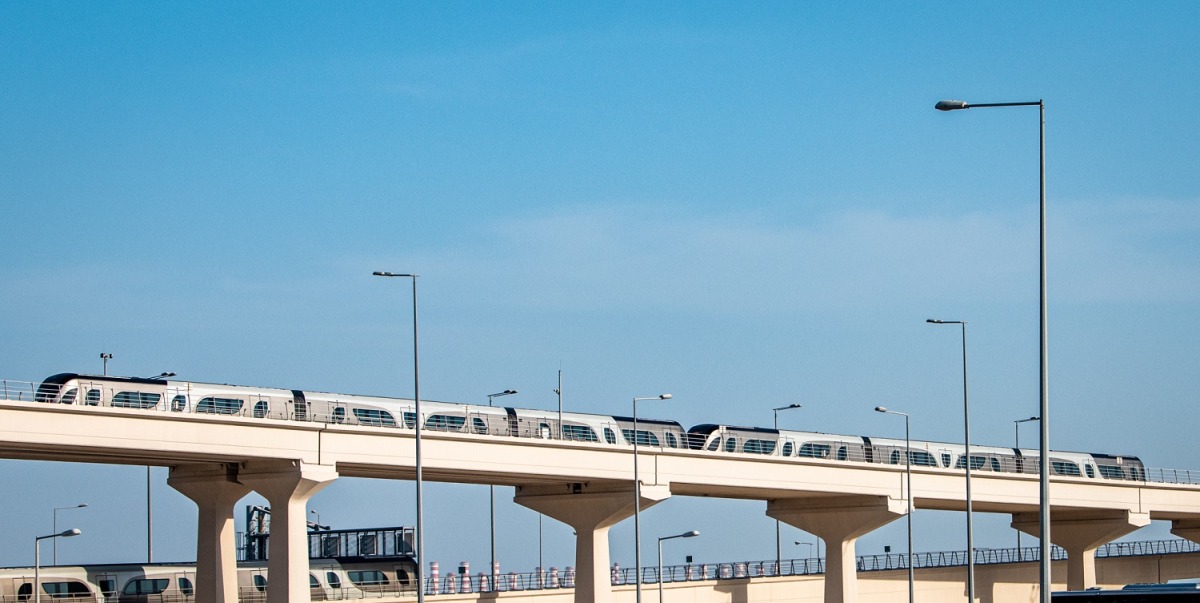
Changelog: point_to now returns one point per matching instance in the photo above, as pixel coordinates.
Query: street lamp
(492, 503)
(417, 445)
(37, 560)
(1017, 445)
(637, 499)
(149, 496)
(317, 524)
(908, 478)
(778, 549)
(967, 464)
(691, 534)
(55, 514)
(1044, 406)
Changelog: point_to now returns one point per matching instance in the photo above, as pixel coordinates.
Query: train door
(107, 583)
(177, 398)
(514, 425)
(299, 406)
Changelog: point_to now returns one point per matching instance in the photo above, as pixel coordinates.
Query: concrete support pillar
(1186, 528)
(839, 521)
(1081, 533)
(287, 486)
(591, 513)
(215, 490)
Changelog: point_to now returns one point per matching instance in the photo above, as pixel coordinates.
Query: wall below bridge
(994, 583)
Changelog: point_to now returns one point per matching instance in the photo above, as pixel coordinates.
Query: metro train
(329, 580)
(171, 396)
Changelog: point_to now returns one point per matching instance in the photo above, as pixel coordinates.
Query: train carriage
(174, 396)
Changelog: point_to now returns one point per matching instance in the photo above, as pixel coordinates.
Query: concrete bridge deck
(215, 458)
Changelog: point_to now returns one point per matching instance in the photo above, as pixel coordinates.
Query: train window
(374, 417)
(185, 587)
(1064, 468)
(543, 431)
(1110, 472)
(714, 444)
(179, 403)
(816, 451)
(402, 577)
(730, 444)
(66, 590)
(977, 462)
(672, 442)
(1090, 472)
(922, 458)
(410, 420)
(367, 577)
(843, 454)
(996, 464)
(25, 592)
(69, 397)
(145, 586)
(895, 457)
(445, 422)
(260, 583)
(758, 446)
(479, 426)
(945, 459)
(216, 406)
(582, 433)
(787, 448)
(644, 438)
(108, 586)
(610, 436)
(136, 400)
(333, 580)
(260, 409)
(339, 415)
(313, 582)
(93, 397)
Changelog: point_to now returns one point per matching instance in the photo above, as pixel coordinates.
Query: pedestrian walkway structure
(216, 460)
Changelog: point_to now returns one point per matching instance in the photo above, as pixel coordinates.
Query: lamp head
(69, 533)
(665, 397)
(951, 105)
(880, 409)
(691, 534)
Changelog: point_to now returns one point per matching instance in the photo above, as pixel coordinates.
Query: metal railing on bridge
(264, 406)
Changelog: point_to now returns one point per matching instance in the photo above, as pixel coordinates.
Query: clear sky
(746, 205)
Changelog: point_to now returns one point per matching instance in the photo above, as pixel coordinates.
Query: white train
(172, 396)
(329, 580)
(938, 455)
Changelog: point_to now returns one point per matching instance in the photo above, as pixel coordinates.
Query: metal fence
(891, 561)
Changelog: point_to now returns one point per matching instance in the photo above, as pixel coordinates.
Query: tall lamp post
(149, 496)
(908, 478)
(691, 534)
(1044, 406)
(967, 464)
(492, 503)
(37, 559)
(417, 445)
(1017, 445)
(778, 544)
(55, 542)
(637, 499)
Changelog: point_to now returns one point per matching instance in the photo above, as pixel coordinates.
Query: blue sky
(744, 205)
